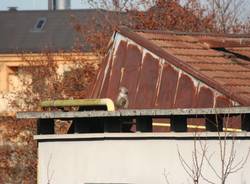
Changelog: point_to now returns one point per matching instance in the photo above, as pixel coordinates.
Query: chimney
(51, 5)
(59, 4)
(12, 8)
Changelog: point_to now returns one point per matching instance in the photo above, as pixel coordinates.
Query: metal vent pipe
(59, 4)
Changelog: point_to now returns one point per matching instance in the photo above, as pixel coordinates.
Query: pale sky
(36, 4)
(75, 4)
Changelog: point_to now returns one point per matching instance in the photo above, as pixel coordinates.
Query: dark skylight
(40, 23)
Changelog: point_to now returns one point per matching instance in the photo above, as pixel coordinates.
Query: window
(17, 78)
(40, 23)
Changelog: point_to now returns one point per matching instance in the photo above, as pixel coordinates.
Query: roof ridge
(234, 35)
(56, 11)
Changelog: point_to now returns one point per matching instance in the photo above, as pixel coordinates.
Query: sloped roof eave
(180, 64)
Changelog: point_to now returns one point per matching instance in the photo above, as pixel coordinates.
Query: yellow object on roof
(80, 102)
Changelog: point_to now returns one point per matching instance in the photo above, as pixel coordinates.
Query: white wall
(137, 161)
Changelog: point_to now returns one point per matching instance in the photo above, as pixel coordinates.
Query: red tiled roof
(229, 68)
(216, 69)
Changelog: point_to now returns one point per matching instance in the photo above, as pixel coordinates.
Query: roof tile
(229, 66)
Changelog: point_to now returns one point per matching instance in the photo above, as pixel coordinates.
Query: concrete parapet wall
(141, 158)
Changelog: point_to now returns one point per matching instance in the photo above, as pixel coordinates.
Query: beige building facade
(26, 35)
(12, 78)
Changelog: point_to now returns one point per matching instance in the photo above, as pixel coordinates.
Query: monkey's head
(123, 90)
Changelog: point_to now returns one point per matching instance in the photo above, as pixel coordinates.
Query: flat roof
(195, 112)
